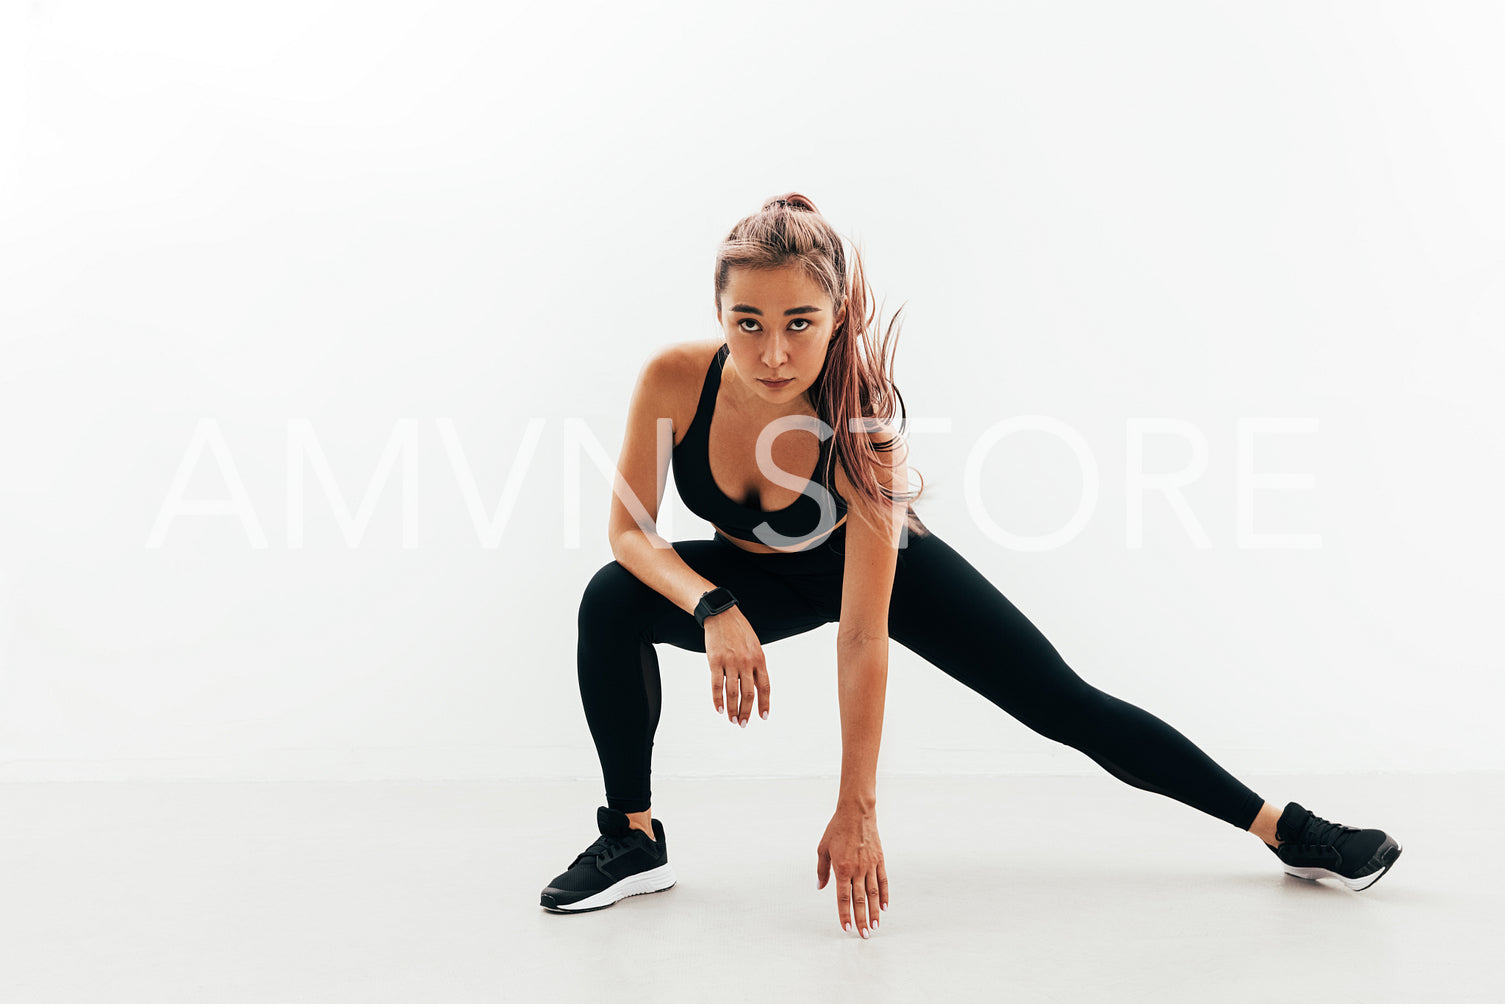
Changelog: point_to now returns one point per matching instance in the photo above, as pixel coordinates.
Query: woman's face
(778, 324)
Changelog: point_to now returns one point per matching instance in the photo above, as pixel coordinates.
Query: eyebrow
(745, 309)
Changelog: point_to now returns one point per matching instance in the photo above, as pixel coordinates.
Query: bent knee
(612, 594)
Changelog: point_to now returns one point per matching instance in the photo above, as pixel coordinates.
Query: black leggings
(941, 608)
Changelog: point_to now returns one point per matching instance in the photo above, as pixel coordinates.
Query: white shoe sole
(653, 880)
(1363, 882)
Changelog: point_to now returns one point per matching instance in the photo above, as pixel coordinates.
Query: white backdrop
(369, 284)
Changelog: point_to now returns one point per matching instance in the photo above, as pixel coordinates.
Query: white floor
(1043, 888)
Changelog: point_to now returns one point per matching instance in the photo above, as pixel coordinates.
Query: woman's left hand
(850, 845)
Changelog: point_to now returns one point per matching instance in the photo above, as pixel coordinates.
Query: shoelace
(604, 846)
(1318, 838)
(1323, 831)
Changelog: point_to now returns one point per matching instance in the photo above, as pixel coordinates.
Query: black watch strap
(713, 601)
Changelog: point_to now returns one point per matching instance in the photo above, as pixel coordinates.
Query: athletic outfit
(941, 608)
(697, 489)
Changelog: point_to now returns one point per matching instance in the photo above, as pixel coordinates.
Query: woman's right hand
(737, 667)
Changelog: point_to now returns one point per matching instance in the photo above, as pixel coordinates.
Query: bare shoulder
(693, 356)
(679, 360)
(677, 370)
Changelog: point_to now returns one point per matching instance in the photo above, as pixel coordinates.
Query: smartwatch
(713, 601)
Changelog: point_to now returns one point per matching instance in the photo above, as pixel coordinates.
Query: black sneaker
(1313, 848)
(622, 862)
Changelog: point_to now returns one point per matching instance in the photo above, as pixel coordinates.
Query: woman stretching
(791, 553)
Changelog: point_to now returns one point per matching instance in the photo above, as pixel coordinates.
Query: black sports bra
(800, 519)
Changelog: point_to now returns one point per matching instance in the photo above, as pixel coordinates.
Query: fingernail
(765, 715)
(875, 921)
(743, 723)
(849, 925)
(883, 907)
(864, 932)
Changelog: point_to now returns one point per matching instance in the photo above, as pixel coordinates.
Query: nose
(774, 352)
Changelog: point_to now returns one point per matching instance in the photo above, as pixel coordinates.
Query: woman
(790, 554)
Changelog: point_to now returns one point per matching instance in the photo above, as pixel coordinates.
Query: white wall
(373, 222)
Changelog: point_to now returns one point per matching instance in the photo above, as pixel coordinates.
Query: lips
(779, 383)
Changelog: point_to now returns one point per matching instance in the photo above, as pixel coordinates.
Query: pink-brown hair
(856, 381)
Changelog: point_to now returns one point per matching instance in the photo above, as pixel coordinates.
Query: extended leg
(944, 610)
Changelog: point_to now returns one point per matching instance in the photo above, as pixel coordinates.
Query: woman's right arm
(739, 674)
(642, 473)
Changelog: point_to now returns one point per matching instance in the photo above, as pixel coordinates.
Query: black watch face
(718, 598)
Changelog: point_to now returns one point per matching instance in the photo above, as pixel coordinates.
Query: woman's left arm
(861, 685)
(851, 843)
